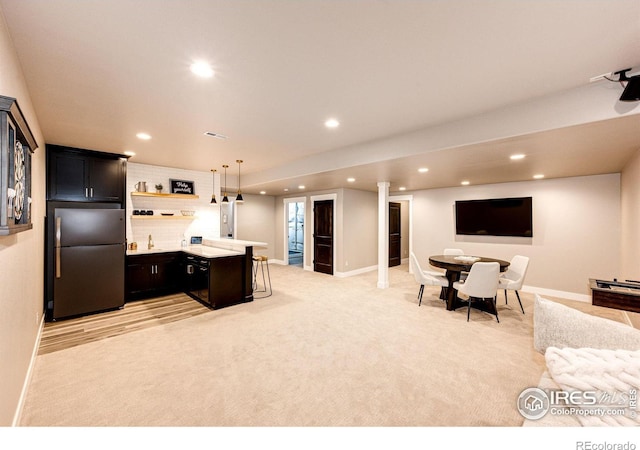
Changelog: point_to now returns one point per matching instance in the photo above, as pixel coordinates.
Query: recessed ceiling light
(130, 153)
(518, 156)
(202, 69)
(538, 176)
(143, 136)
(402, 188)
(286, 189)
(351, 180)
(465, 183)
(331, 123)
(263, 192)
(302, 186)
(423, 170)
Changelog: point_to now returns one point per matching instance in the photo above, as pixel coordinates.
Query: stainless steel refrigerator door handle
(58, 233)
(86, 192)
(91, 190)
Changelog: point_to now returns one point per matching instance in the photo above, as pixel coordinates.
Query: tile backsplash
(169, 231)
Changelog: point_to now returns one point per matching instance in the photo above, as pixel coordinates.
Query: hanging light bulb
(213, 194)
(239, 198)
(225, 199)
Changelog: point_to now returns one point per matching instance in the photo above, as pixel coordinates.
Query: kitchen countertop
(198, 250)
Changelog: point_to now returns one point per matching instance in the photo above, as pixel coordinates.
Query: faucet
(150, 244)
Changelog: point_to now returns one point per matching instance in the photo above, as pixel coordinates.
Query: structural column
(383, 234)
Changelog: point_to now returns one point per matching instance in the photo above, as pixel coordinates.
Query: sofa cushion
(556, 325)
(610, 377)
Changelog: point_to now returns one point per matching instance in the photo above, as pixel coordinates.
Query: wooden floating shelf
(159, 216)
(153, 194)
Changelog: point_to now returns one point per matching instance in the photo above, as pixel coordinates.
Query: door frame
(312, 227)
(285, 203)
(409, 199)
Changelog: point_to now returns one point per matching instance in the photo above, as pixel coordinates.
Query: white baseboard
(27, 380)
(356, 272)
(554, 293)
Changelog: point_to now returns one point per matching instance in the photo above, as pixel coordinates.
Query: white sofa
(584, 353)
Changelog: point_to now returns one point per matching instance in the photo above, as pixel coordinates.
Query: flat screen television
(495, 217)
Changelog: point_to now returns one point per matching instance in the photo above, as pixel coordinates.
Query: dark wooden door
(394, 234)
(323, 236)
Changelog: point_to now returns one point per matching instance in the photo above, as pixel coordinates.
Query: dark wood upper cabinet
(84, 175)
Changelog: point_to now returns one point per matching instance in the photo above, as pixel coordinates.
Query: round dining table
(454, 266)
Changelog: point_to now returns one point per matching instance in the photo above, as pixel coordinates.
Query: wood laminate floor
(134, 316)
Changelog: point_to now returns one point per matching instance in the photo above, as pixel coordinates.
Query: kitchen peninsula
(217, 272)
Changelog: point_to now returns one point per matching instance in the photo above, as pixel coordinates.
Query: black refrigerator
(86, 258)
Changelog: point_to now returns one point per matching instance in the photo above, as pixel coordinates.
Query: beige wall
(21, 255)
(256, 222)
(355, 228)
(360, 230)
(576, 229)
(630, 236)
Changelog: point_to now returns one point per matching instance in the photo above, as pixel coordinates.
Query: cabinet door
(68, 175)
(168, 275)
(139, 279)
(105, 180)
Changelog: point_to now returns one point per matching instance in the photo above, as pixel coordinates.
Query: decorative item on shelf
(213, 194)
(225, 199)
(141, 186)
(182, 187)
(158, 188)
(185, 212)
(239, 198)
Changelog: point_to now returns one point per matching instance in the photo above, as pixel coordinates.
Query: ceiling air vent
(215, 135)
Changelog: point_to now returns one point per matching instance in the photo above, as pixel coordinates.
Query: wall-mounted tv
(495, 217)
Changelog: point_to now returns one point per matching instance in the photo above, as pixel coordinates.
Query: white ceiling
(456, 86)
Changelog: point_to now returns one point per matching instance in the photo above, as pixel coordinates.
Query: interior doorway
(295, 233)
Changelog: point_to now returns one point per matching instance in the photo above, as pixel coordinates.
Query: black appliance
(495, 217)
(85, 258)
(197, 273)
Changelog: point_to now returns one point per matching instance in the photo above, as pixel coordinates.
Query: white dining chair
(513, 278)
(480, 285)
(423, 278)
(453, 252)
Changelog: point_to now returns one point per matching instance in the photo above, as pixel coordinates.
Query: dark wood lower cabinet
(153, 275)
(216, 282)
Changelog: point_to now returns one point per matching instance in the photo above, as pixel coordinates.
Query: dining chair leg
(420, 292)
(506, 299)
(495, 306)
(518, 295)
(468, 309)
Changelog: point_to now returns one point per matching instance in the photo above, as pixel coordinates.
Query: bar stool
(259, 262)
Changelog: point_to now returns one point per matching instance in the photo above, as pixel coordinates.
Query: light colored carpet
(322, 351)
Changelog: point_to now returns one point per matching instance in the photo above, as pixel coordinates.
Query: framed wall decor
(16, 147)
(182, 187)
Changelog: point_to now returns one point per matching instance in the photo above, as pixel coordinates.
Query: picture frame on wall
(182, 187)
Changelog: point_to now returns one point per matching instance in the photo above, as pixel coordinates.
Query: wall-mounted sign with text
(182, 187)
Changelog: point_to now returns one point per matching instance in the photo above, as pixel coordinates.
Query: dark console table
(615, 294)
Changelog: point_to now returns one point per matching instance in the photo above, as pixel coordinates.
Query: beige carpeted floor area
(322, 351)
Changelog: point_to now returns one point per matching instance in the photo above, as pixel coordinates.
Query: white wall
(256, 222)
(359, 216)
(576, 229)
(167, 233)
(21, 256)
(630, 237)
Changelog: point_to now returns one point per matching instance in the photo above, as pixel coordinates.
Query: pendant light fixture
(239, 198)
(213, 193)
(225, 199)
